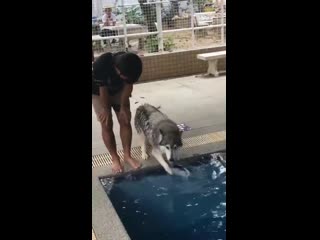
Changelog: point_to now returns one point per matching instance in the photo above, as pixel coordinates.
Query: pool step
(105, 158)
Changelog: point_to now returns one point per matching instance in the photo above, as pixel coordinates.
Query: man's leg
(108, 136)
(110, 143)
(126, 136)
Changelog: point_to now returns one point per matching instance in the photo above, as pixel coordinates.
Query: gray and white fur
(160, 132)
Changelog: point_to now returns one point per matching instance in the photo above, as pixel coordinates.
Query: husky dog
(156, 129)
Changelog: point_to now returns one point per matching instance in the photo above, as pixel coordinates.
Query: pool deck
(198, 102)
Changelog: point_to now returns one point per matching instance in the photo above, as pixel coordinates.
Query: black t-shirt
(104, 74)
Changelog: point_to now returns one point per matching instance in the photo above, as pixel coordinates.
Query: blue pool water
(154, 205)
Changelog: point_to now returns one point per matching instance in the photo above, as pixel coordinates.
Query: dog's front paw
(144, 156)
(169, 170)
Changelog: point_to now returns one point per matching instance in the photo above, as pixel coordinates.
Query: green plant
(142, 14)
(168, 44)
(152, 44)
(133, 14)
(199, 5)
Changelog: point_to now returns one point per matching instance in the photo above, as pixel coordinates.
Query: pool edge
(105, 220)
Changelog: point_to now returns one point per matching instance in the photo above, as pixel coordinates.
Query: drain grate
(204, 139)
(105, 158)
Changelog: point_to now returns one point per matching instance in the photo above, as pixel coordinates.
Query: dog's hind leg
(143, 145)
(157, 154)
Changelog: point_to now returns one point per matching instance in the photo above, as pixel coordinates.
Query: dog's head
(170, 141)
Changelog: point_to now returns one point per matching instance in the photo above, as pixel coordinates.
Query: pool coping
(106, 223)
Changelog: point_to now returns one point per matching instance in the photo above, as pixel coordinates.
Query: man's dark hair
(102, 66)
(130, 65)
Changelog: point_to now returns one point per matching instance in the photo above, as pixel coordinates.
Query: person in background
(108, 18)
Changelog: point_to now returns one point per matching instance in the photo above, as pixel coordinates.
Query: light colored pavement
(198, 102)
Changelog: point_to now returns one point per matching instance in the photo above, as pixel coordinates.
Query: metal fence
(158, 26)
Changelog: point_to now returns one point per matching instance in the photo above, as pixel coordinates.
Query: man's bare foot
(116, 166)
(135, 164)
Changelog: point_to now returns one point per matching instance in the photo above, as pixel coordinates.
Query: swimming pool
(154, 205)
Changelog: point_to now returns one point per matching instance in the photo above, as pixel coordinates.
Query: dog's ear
(160, 136)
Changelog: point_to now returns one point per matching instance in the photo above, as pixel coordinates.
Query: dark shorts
(115, 104)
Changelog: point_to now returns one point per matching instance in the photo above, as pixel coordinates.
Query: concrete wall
(177, 64)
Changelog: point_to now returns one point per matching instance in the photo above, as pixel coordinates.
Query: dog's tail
(140, 118)
(149, 105)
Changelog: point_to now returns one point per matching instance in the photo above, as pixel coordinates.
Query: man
(113, 76)
(108, 18)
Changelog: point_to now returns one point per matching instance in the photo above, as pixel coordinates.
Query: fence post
(192, 22)
(124, 21)
(159, 26)
(99, 8)
(222, 21)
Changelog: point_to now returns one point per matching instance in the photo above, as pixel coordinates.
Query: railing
(161, 26)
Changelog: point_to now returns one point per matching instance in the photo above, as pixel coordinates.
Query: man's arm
(105, 101)
(124, 107)
(104, 97)
(114, 19)
(103, 18)
(126, 93)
